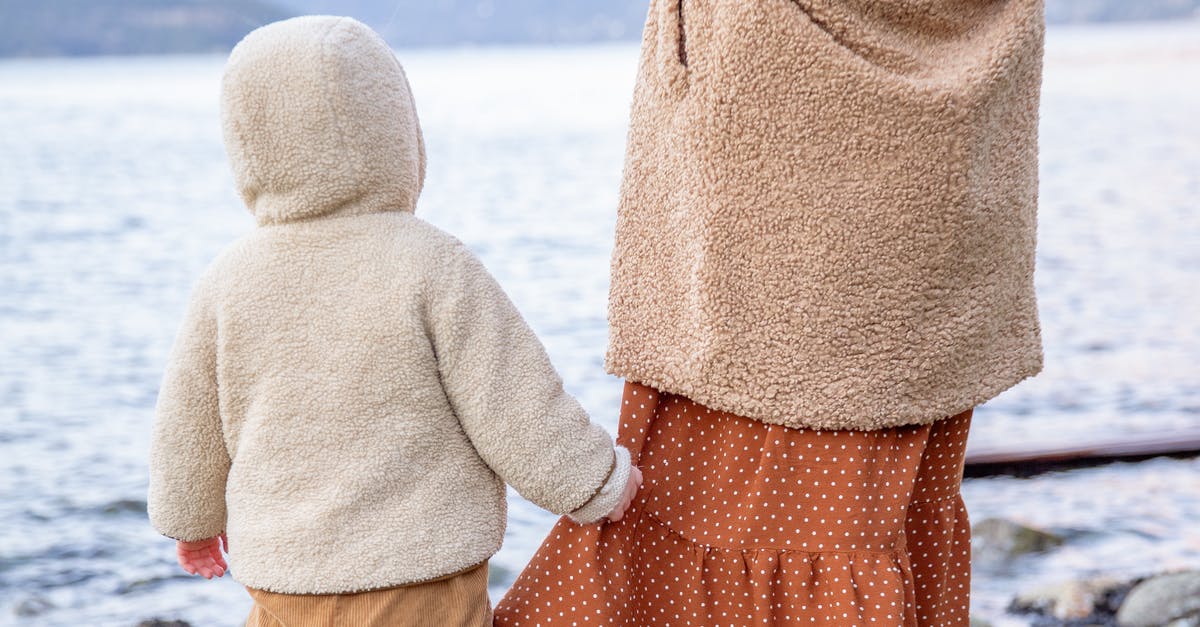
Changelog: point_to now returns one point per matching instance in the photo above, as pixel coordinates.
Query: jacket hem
(714, 400)
(391, 586)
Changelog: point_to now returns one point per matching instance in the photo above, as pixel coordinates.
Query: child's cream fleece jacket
(351, 390)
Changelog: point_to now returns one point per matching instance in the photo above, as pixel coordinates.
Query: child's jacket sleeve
(188, 458)
(510, 400)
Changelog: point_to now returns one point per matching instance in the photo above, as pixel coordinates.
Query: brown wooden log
(1026, 461)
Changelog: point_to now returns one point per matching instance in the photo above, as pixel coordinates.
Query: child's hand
(631, 487)
(203, 557)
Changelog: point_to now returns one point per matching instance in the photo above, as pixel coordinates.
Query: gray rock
(125, 506)
(33, 606)
(1161, 600)
(1069, 601)
(996, 541)
(499, 576)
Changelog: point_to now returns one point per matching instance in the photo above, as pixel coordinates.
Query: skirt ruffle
(743, 523)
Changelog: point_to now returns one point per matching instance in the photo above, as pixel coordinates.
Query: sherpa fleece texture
(829, 206)
(350, 389)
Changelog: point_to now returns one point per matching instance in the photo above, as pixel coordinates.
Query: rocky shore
(1167, 599)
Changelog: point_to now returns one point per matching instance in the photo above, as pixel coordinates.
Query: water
(114, 194)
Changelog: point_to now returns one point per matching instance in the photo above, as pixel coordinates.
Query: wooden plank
(1027, 461)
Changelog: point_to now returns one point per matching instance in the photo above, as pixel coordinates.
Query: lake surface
(114, 195)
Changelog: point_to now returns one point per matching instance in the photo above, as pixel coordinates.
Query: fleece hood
(319, 120)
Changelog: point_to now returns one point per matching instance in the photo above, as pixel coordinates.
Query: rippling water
(114, 194)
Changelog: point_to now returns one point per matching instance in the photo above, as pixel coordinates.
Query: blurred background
(115, 194)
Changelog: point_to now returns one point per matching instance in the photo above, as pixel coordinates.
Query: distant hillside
(443, 22)
(91, 27)
(1079, 11)
(85, 27)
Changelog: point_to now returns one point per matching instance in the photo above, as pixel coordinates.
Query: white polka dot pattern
(745, 523)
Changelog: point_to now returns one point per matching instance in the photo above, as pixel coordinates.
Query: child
(350, 389)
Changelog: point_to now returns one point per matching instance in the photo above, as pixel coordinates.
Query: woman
(824, 260)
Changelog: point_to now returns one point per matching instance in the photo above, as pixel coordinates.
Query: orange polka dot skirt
(744, 523)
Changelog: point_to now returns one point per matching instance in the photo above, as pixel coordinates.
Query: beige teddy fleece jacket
(350, 389)
(828, 214)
